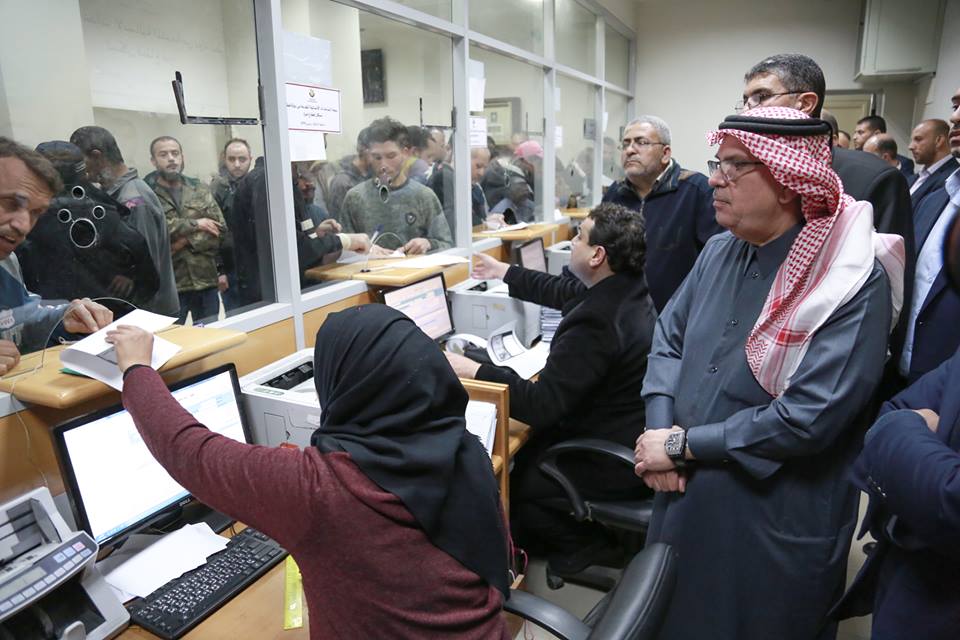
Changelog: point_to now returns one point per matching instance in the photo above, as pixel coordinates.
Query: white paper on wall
(307, 60)
(477, 84)
(478, 131)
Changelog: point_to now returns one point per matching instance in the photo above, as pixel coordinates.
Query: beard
(171, 175)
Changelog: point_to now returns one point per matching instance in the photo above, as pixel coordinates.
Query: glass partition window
(150, 212)
(616, 59)
(575, 140)
(576, 42)
(438, 8)
(616, 121)
(513, 109)
(516, 22)
(386, 181)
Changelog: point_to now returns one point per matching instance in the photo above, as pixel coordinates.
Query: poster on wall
(312, 111)
(372, 76)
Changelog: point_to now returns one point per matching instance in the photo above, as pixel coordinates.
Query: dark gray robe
(765, 526)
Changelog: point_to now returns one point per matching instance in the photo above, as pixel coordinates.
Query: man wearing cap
(676, 203)
(761, 364)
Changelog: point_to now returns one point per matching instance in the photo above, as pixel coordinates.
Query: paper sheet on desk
(509, 227)
(169, 557)
(433, 260)
(350, 257)
(95, 357)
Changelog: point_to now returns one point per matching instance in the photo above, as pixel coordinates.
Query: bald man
(930, 147)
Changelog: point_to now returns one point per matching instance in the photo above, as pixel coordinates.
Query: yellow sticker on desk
(292, 595)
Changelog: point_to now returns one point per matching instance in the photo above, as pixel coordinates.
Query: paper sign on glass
(313, 108)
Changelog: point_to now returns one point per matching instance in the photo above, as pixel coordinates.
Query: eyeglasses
(732, 170)
(758, 99)
(626, 143)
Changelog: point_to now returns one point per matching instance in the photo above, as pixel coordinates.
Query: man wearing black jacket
(590, 386)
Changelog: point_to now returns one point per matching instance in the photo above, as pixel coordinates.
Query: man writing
(27, 182)
(405, 212)
(196, 228)
(760, 366)
(676, 204)
(590, 385)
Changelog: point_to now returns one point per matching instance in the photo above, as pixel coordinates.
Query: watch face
(674, 444)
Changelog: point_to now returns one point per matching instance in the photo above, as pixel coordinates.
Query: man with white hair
(676, 203)
(761, 369)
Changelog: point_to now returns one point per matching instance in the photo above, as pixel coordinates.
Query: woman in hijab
(392, 515)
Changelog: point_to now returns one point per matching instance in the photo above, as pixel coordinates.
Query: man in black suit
(794, 80)
(930, 148)
(908, 466)
(590, 386)
(871, 126)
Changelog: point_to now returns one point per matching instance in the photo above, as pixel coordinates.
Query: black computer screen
(532, 255)
(115, 485)
(424, 302)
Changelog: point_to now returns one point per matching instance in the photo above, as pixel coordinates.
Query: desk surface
(537, 230)
(256, 612)
(576, 214)
(49, 387)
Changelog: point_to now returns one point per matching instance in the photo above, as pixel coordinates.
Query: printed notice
(313, 108)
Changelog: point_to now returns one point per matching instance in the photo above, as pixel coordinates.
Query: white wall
(935, 94)
(692, 56)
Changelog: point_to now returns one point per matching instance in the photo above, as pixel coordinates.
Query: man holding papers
(590, 385)
(27, 182)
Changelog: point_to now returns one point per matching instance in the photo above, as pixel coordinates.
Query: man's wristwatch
(676, 447)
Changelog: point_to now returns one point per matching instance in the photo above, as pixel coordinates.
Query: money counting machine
(49, 586)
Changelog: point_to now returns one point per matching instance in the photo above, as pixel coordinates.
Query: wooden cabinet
(900, 39)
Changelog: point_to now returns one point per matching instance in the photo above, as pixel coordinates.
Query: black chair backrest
(635, 608)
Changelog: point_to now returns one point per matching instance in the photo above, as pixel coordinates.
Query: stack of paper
(549, 321)
(350, 257)
(167, 557)
(95, 357)
(482, 422)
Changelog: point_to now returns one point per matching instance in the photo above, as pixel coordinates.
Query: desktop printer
(482, 306)
(281, 401)
(49, 586)
(558, 256)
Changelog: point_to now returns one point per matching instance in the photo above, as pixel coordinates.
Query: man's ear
(807, 102)
(599, 255)
(787, 195)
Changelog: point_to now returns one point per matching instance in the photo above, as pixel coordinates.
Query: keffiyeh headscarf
(832, 256)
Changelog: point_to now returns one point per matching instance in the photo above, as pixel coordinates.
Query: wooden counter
(576, 214)
(49, 387)
(537, 230)
(387, 273)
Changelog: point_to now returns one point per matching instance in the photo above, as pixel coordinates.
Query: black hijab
(391, 400)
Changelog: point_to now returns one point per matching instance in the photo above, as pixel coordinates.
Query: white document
(350, 257)
(511, 227)
(477, 85)
(506, 350)
(169, 557)
(478, 131)
(433, 260)
(96, 358)
(482, 422)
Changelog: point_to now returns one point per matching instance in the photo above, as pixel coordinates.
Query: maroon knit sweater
(368, 569)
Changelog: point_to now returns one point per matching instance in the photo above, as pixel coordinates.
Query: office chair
(633, 610)
(630, 517)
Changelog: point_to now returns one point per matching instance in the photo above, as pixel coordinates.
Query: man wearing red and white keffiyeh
(763, 368)
(830, 259)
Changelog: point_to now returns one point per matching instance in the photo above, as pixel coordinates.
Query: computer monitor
(532, 256)
(115, 485)
(424, 302)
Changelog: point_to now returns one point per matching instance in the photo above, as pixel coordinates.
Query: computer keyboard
(181, 604)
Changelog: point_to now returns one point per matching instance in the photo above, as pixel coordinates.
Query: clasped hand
(653, 465)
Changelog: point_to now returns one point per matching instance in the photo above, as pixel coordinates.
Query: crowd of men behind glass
(169, 243)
